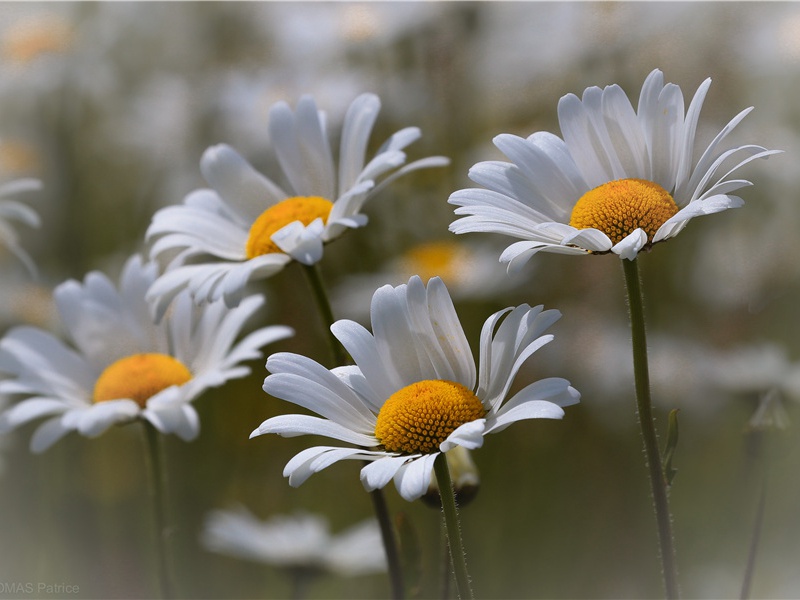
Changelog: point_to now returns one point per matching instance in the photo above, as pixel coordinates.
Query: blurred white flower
(121, 366)
(414, 391)
(755, 369)
(248, 228)
(300, 541)
(620, 180)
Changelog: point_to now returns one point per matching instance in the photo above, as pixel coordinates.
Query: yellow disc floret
(420, 416)
(618, 208)
(298, 208)
(139, 376)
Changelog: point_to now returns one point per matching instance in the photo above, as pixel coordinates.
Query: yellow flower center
(618, 208)
(432, 259)
(139, 377)
(419, 417)
(298, 208)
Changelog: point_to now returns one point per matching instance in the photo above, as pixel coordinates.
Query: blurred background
(112, 104)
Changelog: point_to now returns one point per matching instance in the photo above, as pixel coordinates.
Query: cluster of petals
(604, 139)
(105, 323)
(416, 337)
(204, 239)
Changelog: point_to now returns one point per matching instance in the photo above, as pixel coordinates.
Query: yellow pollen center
(138, 377)
(432, 259)
(618, 208)
(298, 208)
(419, 417)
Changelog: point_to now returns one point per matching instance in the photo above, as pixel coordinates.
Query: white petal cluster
(416, 336)
(105, 323)
(604, 139)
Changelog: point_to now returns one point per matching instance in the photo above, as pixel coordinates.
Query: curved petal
(414, 477)
(295, 425)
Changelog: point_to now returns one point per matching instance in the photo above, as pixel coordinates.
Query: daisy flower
(414, 391)
(301, 541)
(121, 366)
(619, 181)
(12, 210)
(247, 227)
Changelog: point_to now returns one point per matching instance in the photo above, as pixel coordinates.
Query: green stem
(754, 542)
(340, 357)
(338, 353)
(389, 543)
(157, 477)
(450, 511)
(642, 379)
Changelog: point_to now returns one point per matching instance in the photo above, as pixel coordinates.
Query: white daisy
(12, 210)
(414, 391)
(121, 366)
(247, 227)
(620, 180)
(299, 541)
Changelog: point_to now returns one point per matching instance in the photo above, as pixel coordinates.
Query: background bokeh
(112, 104)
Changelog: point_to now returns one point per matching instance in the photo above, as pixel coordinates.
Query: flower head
(300, 541)
(619, 181)
(12, 210)
(414, 391)
(121, 365)
(247, 227)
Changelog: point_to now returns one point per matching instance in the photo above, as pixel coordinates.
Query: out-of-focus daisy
(247, 227)
(470, 271)
(414, 391)
(756, 369)
(296, 542)
(12, 210)
(619, 181)
(121, 366)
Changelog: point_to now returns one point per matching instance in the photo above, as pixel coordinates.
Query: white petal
(629, 246)
(378, 473)
(469, 436)
(413, 478)
(238, 182)
(48, 434)
(294, 425)
(28, 410)
(96, 419)
(302, 242)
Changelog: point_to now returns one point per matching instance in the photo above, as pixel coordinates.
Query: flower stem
(747, 580)
(340, 357)
(157, 477)
(338, 353)
(457, 556)
(389, 543)
(641, 373)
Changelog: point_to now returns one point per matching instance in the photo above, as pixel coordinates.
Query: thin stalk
(754, 542)
(641, 373)
(454, 542)
(340, 357)
(389, 543)
(338, 353)
(157, 478)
